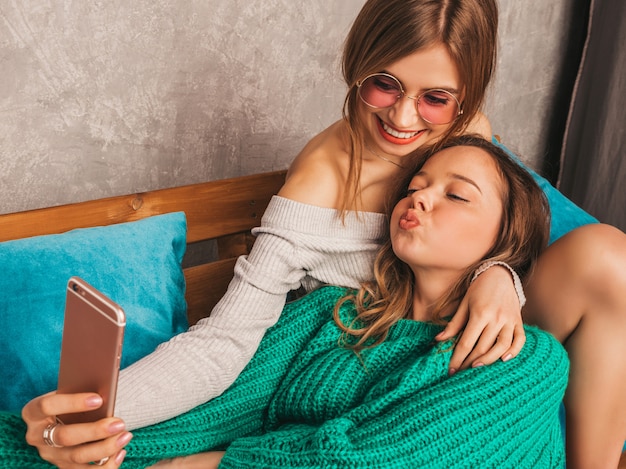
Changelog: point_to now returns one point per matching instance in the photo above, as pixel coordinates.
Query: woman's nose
(404, 113)
(421, 200)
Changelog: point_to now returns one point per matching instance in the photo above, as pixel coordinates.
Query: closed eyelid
(421, 179)
(418, 178)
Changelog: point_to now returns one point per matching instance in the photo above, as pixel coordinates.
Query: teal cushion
(136, 264)
(566, 215)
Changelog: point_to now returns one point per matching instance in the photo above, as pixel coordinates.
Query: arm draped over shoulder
(297, 244)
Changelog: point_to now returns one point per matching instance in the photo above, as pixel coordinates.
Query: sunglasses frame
(403, 94)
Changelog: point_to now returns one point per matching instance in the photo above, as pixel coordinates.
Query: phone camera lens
(75, 287)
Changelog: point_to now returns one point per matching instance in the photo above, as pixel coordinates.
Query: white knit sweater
(297, 245)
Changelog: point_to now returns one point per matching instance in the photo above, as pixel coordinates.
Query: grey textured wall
(540, 46)
(107, 98)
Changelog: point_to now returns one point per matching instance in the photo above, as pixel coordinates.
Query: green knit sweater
(305, 402)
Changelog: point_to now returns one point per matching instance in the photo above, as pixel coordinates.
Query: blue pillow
(136, 264)
(566, 215)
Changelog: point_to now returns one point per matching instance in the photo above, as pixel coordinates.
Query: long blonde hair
(524, 233)
(386, 31)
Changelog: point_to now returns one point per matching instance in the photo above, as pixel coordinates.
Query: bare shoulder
(480, 125)
(316, 175)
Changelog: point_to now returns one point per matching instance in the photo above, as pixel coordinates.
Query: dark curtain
(593, 158)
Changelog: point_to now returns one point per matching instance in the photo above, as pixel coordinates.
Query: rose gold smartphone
(93, 332)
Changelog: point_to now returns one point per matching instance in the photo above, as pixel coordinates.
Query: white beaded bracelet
(517, 283)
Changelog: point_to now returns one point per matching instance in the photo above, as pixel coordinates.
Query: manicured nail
(507, 357)
(117, 427)
(120, 457)
(478, 365)
(124, 439)
(93, 401)
(451, 371)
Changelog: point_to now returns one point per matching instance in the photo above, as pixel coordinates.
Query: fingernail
(117, 427)
(451, 371)
(507, 357)
(478, 365)
(93, 401)
(120, 457)
(124, 439)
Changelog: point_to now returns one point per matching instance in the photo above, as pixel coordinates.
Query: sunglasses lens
(438, 107)
(435, 106)
(379, 91)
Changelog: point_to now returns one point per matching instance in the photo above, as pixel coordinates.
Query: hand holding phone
(93, 332)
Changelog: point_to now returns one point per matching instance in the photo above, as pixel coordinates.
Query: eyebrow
(453, 91)
(466, 179)
(460, 177)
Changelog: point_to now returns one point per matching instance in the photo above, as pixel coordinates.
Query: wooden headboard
(222, 212)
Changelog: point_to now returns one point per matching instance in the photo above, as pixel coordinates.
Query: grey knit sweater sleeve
(297, 244)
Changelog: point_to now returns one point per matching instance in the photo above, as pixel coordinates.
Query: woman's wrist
(517, 283)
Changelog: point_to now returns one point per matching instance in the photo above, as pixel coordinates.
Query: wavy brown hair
(386, 31)
(523, 235)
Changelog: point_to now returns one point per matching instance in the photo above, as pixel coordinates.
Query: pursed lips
(409, 220)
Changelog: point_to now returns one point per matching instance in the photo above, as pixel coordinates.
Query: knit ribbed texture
(305, 402)
(297, 244)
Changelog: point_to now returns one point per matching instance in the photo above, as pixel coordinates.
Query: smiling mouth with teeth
(395, 133)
